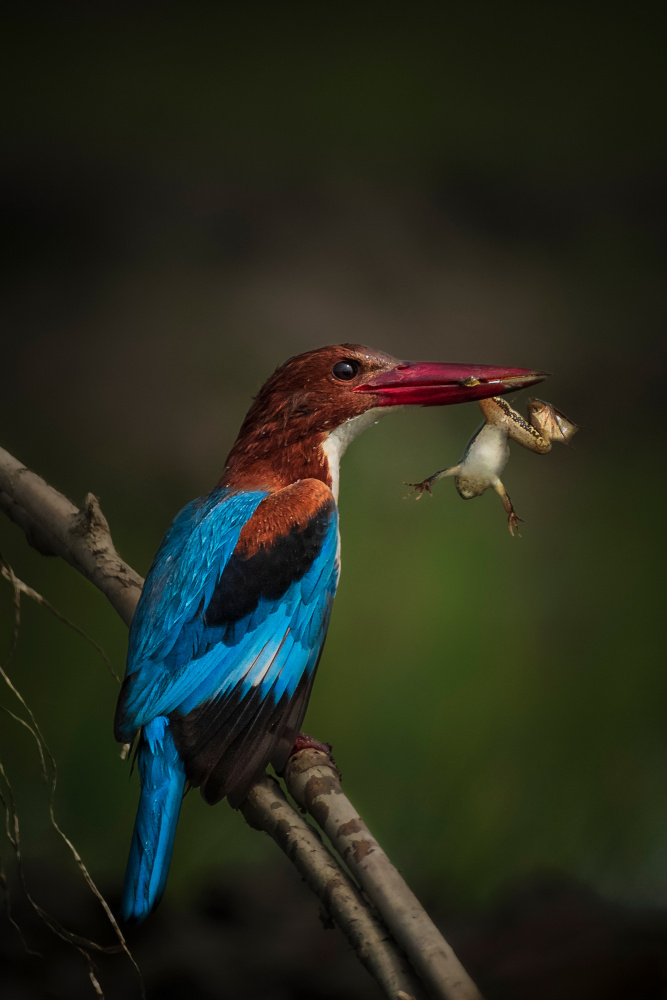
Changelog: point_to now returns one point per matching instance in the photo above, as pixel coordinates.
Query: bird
(229, 629)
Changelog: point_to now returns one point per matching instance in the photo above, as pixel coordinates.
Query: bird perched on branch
(230, 626)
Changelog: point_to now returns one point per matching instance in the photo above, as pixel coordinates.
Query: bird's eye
(345, 370)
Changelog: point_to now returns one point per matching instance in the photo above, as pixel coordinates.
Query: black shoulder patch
(269, 572)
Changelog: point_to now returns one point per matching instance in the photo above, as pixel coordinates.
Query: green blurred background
(192, 195)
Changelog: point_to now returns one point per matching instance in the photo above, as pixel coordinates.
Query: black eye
(345, 370)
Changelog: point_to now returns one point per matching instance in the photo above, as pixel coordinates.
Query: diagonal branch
(314, 782)
(266, 808)
(54, 526)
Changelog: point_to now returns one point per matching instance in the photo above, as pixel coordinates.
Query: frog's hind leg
(512, 516)
(528, 435)
(550, 422)
(425, 485)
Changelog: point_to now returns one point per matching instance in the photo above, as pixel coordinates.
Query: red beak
(433, 383)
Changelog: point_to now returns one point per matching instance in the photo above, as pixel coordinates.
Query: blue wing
(186, 568)
(223, 650)
(226, 637)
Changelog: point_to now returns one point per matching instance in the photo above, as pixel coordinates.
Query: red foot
(306, 742)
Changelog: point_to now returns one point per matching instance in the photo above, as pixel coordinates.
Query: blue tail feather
(162, 776)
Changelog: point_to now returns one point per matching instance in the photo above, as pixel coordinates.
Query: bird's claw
(305, 742)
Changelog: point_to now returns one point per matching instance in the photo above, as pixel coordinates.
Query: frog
(487, 453)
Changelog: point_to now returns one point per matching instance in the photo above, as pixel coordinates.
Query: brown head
(315, 403)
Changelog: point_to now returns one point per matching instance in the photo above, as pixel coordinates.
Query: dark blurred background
(189, 196)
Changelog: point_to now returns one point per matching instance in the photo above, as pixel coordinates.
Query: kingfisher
(229, 629)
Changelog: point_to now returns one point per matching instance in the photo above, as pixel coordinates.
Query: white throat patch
(336, 442)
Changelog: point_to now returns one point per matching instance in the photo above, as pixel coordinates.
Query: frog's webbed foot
(512, 516)
(420, 488)
(513, 522)
(550, 422)
(425, 485)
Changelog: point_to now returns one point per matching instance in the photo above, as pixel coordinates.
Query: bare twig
(55, 527)
(50, 775)
(23, 588)
(266, 808)
(314, 782)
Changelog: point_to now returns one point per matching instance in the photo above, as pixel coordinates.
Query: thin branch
(54, 526)
(314, 782)
(23, 588)
(266, 808)
(50, 775)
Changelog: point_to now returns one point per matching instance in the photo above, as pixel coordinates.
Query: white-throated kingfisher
(230, 625)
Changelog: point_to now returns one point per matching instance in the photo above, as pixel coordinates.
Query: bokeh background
(191, 195)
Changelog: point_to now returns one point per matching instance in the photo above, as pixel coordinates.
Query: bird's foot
(306, 742)
(420, 488)
(513, 523)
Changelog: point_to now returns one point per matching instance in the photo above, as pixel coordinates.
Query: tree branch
(266, 808)
(54, 526)
(314, 782)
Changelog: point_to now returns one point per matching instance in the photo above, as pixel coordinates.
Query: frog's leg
(425, 485)
(512, 516)
(550, 422)
(529, 435)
